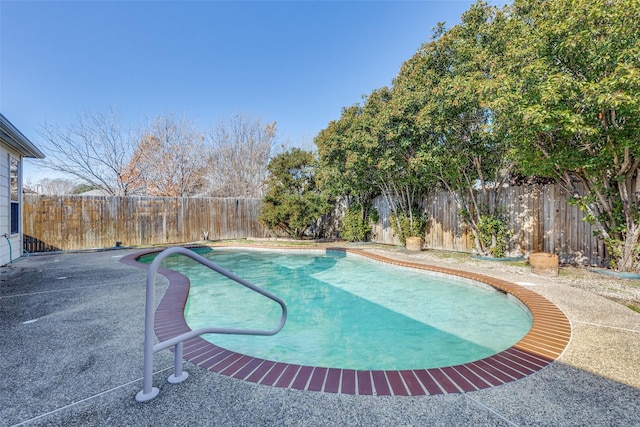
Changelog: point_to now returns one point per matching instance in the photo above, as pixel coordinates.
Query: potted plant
(409, 228)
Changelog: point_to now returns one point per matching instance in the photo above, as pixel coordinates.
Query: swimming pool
(350, 312)
(544, 342)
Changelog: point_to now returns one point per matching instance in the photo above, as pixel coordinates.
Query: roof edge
(11, 136)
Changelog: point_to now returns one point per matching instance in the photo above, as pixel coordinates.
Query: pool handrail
(148, 392)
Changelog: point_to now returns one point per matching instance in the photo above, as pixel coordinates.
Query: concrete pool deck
(71, 354)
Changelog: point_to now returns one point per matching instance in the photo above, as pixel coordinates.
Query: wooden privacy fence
(540, 217)
(83, 222)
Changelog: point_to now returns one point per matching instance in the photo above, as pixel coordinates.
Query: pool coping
(543, 344)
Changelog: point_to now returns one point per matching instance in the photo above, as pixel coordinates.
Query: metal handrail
(148, 392)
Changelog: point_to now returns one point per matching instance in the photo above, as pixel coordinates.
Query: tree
(336, 174)
(292, 202)
(373, 150)
(574, 113)
(343, 169)
(393, 144)
(53, 186)
(241, 148)
(98, 150)
(171, 159)
(435, 126)
(456, 79)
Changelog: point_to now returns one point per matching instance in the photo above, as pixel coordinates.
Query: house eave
(13, 138)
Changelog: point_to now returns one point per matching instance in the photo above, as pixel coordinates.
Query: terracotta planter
(544, 264)
(414, 243)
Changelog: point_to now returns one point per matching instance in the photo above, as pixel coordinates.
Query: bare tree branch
(241, 148)
(95, 150)
(171, 159)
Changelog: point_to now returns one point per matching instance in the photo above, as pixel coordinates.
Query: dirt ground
(624, 291)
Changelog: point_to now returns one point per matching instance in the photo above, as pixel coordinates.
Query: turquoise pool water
(350, 312)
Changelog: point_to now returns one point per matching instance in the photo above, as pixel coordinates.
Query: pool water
(350, 312)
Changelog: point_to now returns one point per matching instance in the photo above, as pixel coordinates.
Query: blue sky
(294, 62)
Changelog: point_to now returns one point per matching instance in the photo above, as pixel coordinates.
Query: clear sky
(294, 62)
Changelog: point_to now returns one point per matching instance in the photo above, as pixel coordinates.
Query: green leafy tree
(572, 102)
(343, 169)
(400, 173)
(292, 202)
(371, 151)
(435, 126)
(448, 90)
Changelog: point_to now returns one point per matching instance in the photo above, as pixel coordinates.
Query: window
(14, 195)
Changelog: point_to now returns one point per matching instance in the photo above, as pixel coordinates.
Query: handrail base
(143, 397)
(173, 379)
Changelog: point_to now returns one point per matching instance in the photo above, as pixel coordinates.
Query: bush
(354, 227)
(494, 234)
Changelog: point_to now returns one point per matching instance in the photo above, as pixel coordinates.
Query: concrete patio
(71, 354)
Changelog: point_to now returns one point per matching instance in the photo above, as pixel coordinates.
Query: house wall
(10, 245)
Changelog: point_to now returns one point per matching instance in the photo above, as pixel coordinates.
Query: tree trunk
(629, 256)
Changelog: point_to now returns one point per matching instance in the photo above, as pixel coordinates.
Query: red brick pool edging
(543, 344)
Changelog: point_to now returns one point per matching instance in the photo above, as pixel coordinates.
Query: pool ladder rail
(148, 392)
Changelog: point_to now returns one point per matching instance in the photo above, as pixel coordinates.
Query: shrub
(494, 234)
(356, 225)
